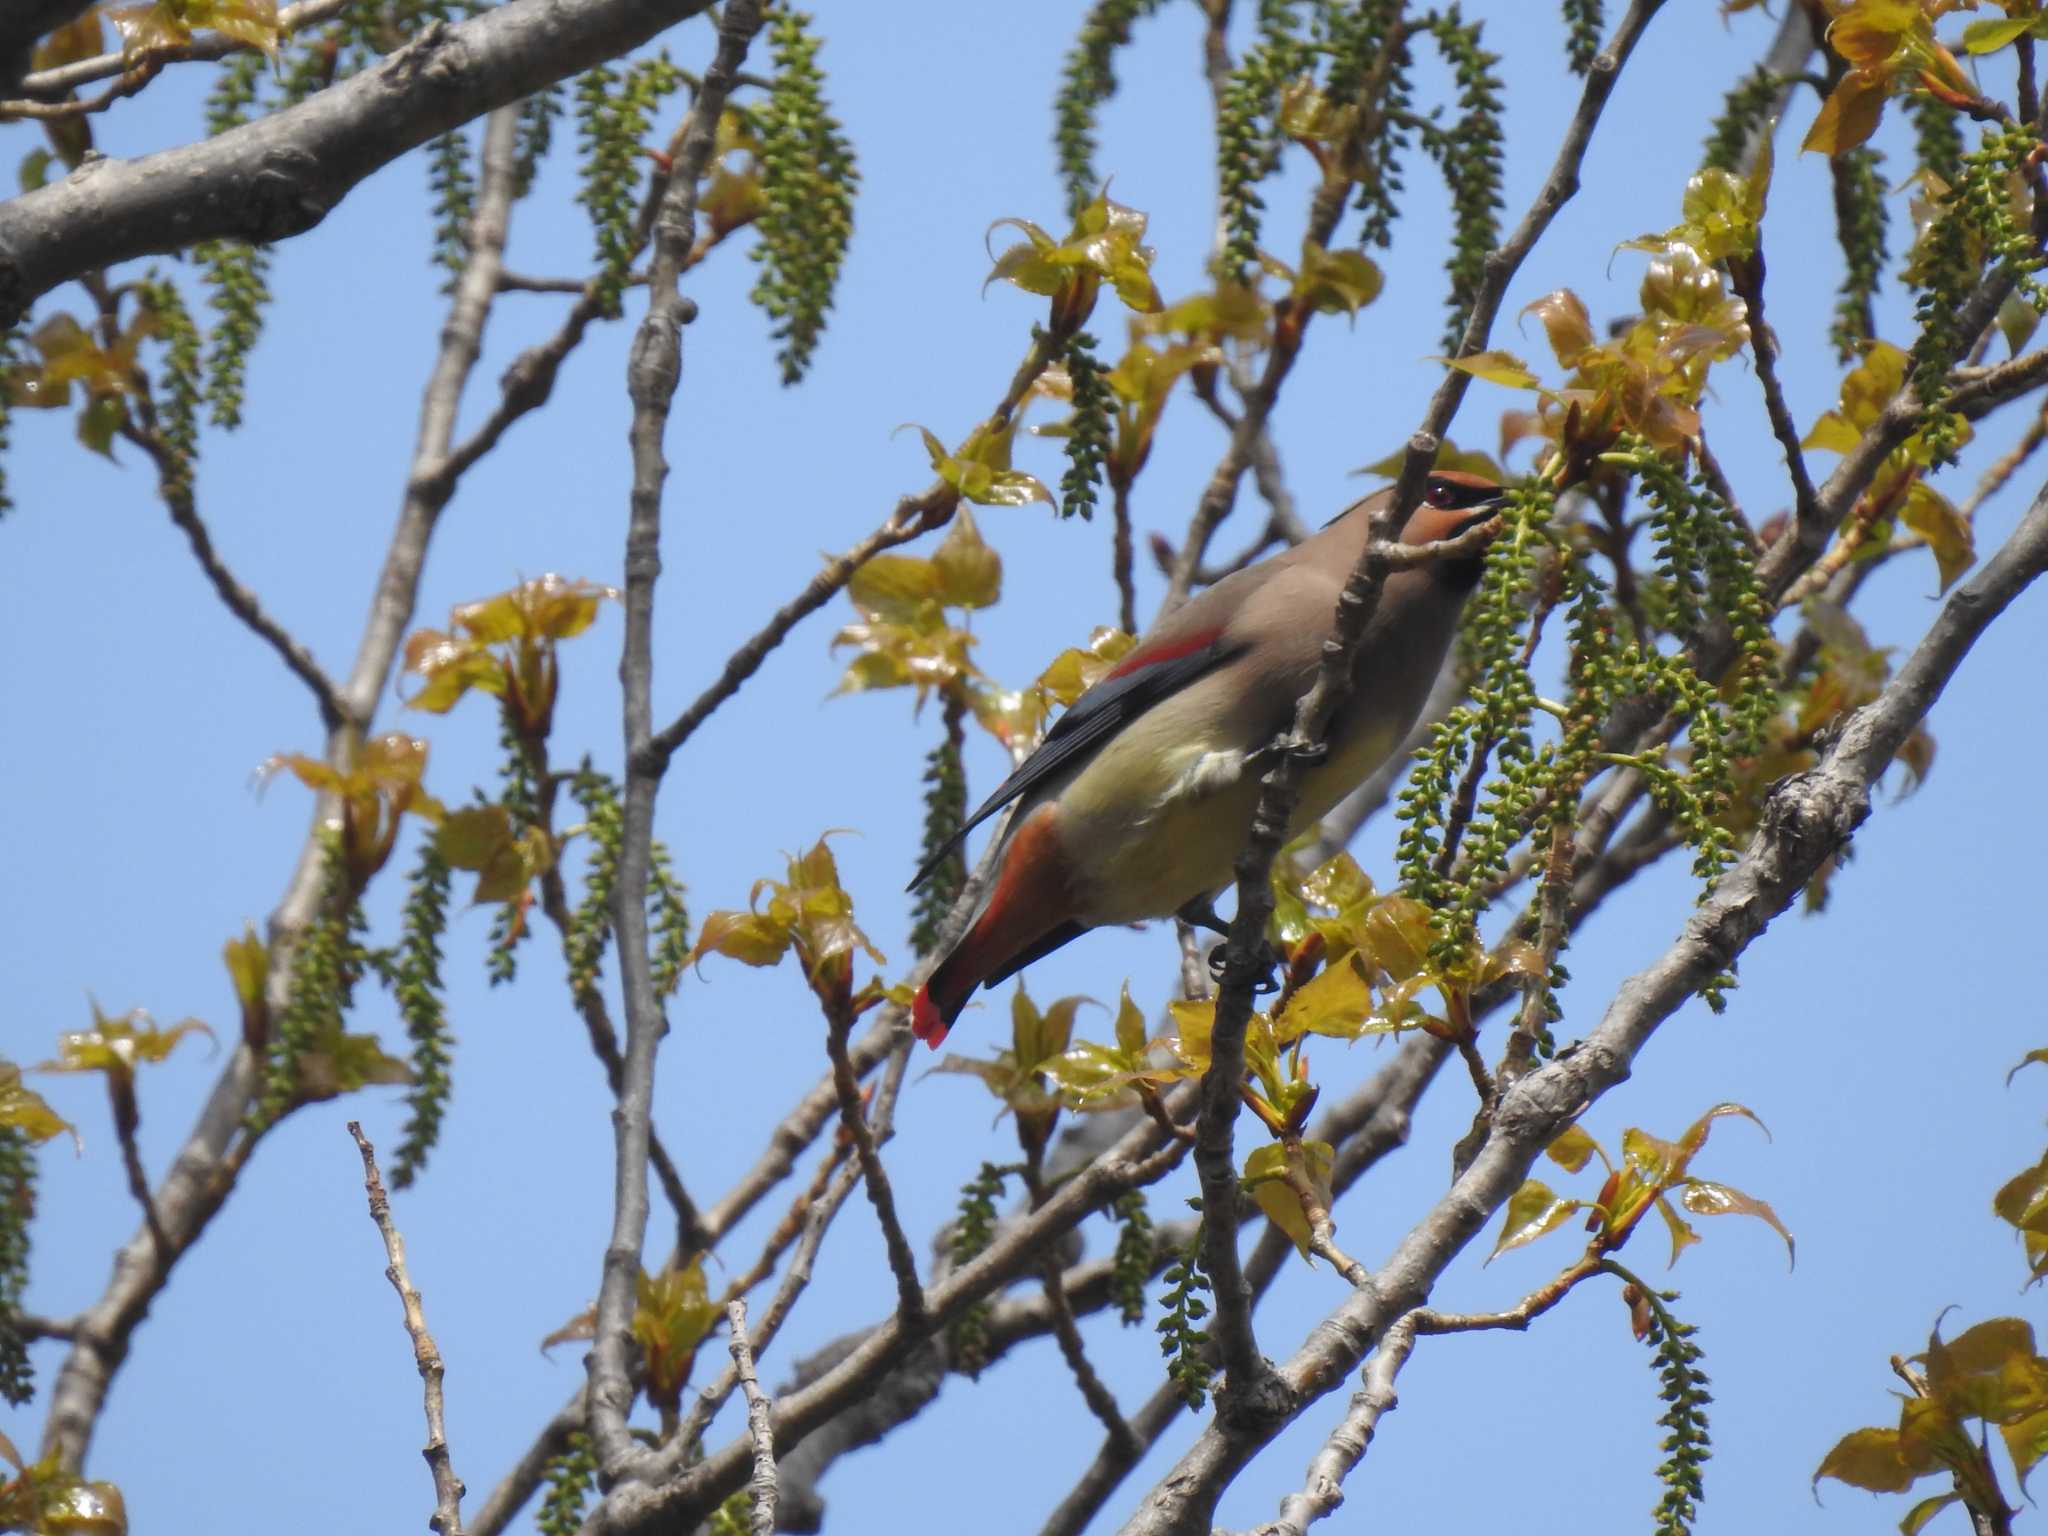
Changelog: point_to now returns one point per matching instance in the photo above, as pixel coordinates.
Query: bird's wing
(1139, 681)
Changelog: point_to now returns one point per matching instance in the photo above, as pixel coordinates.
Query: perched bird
(1136, 803)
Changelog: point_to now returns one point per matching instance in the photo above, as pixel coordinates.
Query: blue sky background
(272, 1382)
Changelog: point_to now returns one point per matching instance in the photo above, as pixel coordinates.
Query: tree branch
(448, 1490)
(653, 369)
(49, 84)
(760, 1427)
(280, 175)
(902, 1262)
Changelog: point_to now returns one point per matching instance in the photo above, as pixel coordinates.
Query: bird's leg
(1268, 960)
(1201, 913)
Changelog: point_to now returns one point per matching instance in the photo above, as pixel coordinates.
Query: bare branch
(1100, 1400)
(653, 369)
(448, 1490)
(175, 486)
(760, 1428)
(527, 1474)
(46, 84)
(139, 74)
(1323, 1490)
(902, 1262)
(127, 1121)
(913, 515)
(1748, 276)
(635, 1506)
(280, 175)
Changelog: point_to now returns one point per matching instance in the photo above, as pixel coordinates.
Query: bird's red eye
(1439, 493)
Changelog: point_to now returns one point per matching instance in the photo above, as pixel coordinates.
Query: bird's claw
(1268, 961)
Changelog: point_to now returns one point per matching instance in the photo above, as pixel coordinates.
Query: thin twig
(1121, 562)
(46, 84)
(760, 1427)
(590, 1006)
(1100, 1400)
(1282, 785)
(2006, 465)
(1748, 278)
(132, 80)
(174, 485)
(127, 1121)
(912, 516)
(448, 1489)
(794, 1281)
(902, 1262)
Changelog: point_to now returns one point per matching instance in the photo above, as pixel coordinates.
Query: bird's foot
(1267, 958)
(1201, 913)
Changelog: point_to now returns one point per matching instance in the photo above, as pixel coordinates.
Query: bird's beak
(1484, 512)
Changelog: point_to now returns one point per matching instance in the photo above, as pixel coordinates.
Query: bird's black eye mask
(1443, 491)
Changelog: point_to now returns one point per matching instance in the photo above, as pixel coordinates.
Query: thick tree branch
(281, 175)
(448, 1490)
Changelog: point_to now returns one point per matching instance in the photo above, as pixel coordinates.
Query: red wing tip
(926, 1022)
(1154, 655)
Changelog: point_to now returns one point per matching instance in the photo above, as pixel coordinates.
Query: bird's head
(1453, 501)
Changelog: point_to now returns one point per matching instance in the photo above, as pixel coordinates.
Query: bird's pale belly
(1187, 845)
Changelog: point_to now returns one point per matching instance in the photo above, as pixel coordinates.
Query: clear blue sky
(272, 1380)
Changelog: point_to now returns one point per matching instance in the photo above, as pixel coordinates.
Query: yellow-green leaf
(1335, 1002)
(1868, 1458)
(969, 573)
(119, 1043)
(1703, 1197)
(1848, 117)
(1337, 280)
(1130, 1026)
(1572, 1148)
(1947, 534)
(2023, 1199)
(751, 938)
(22, 1109)
(1566, 324)
(1532, 1210)
(1918, 1516)
(1993, 33)
(2026, 1441)
(1494, 366)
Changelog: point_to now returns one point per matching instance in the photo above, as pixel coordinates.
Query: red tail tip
(926, 1022)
